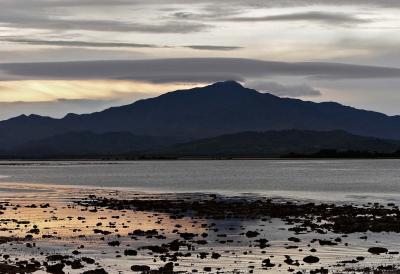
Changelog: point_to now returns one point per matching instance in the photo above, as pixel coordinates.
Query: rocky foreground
(198, 233)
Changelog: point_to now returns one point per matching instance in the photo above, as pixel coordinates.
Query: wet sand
(53, 229)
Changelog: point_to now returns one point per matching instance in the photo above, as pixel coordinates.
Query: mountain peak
(228, 84)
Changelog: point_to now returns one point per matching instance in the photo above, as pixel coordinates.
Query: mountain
(243, 144)
(88, 143)
(220, 108)
(280, 143)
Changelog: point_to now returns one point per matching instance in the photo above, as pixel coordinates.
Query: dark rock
(311, 259)
(55, 268)
(130, 252)
(140, 268)
(252, 234)
(377, 250)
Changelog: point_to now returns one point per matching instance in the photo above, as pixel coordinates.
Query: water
(320, 179)
(61, 182)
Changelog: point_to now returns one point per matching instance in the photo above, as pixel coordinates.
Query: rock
(294, 239)
(55, 268)
(311, 259)
(96, 271)
(377, 250)
(76, 264)
(140, 268)
(215, 255)
(267, 263)
(88, 260)
(252, 234)
(262, 243)
(156, 249)
(167, 268)
(187, 236)
(114, 243)
(326, 242)
(130, 252)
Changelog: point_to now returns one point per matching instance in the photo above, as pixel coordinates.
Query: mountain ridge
(88, 143)
(282, 143)
(243, 144)
(220, 108)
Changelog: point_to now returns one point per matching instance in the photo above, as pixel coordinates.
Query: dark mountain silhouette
(281, 143)
(244, 144)
(221, 108)
(88, 143)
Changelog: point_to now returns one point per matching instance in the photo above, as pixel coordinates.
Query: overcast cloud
(191, 70)
(345, 51)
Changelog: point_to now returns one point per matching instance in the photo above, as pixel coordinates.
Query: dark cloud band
(79, 43)
(86, 44)
(209, 47)
(191, 70)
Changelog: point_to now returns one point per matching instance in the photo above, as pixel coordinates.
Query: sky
(81, 56)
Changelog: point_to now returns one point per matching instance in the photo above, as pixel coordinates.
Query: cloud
(377, 44)
(235, 15)
(191, 70)
(62, 54)
(34, 22)
(88, 44)
(250, 3)
(284, 90)
(210, 47)
(64, 19)
(64, 3)
(318, 16)
(73, 43)
(209, 13)
(63, 15)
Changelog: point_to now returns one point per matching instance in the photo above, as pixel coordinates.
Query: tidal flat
(60, 229)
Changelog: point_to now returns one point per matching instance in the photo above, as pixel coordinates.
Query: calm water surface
(322, 179)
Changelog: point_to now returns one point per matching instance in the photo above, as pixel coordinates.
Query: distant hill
(244, 144)
(88, 143)
(282, 143)
(221, 108)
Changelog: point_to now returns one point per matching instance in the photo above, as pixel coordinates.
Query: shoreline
(124, 159)
(166, 232)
